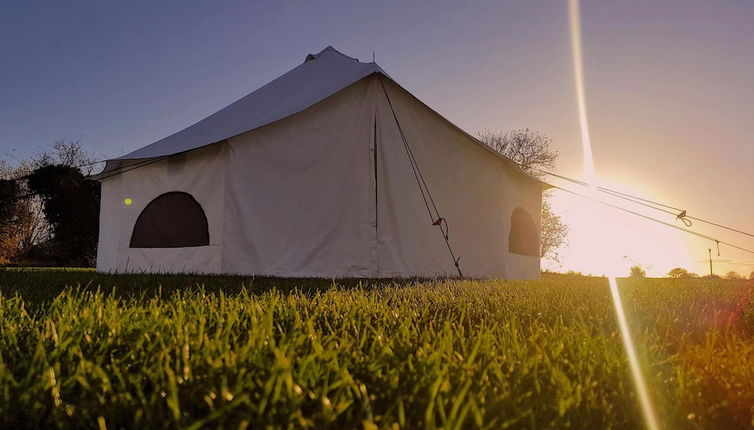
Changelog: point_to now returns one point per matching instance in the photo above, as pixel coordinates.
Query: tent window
(523, 239)
(172, 220)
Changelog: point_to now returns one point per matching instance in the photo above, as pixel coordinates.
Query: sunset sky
(669, 92)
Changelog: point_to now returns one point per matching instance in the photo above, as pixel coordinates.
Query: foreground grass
(89, 350)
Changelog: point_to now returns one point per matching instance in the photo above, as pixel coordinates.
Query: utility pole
(710, 261)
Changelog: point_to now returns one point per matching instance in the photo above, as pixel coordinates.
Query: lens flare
(127, 201)
(650, 418)
(578, 74)
(633, 361)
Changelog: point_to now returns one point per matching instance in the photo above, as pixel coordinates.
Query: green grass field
(80, 349)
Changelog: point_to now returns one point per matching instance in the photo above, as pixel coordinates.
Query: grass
(46, 269)
(81, 349)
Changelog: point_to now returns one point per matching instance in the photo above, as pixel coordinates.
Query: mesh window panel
(172, 220)
(523, 239)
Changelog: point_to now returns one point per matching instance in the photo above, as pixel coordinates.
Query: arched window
(172, 220)
(524, 238)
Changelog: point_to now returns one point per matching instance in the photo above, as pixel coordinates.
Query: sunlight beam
(650, 418)
(633, 361)
(578, 72)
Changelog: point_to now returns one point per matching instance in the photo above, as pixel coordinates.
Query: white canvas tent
(323, 172)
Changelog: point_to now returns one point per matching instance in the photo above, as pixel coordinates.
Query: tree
(71, 206)
(10, 214)
(733, 275)
(678, 272)
(26, 233)
(529, 149)
(65, 152)
(554, 233)
(22, 223)
(532, 151)
(751, 276)
(69, 152)
(638, 272)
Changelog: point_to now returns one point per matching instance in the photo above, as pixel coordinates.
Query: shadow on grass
(40, 285)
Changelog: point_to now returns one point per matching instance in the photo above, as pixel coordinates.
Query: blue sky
(123, 74)
(669, 84)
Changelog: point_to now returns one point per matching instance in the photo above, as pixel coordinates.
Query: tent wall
(329, 192)
(200, 173)
(300, 198)
(475, 190)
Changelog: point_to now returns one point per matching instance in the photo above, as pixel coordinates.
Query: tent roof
(320, 76)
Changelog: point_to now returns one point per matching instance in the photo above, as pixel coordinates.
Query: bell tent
(331, 170)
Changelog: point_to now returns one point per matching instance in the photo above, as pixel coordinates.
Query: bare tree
(69, 152)
(531, 150)
(65, 152)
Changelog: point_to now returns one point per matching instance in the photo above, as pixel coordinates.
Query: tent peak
(329, 50)
(297, 90)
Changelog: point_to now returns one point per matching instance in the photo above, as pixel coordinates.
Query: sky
(669, 92)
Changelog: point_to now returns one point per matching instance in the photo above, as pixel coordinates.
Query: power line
(136, 166)
(723, 261)
(704, 236)
(680, 215)
(91, 163)
(610, 191)
(721, 226)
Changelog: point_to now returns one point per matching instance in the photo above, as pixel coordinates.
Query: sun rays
(650, 418)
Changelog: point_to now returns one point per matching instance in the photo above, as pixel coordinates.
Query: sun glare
(578, 70)
(622, 240)
(633, 361)
(598, 218)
